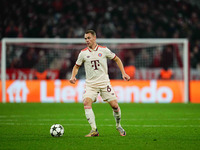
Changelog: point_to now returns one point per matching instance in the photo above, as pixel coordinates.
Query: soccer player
(94, 58)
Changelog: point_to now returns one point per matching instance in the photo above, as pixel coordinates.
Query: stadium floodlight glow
(184, 42)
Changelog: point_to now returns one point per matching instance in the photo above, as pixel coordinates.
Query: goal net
(51, 59)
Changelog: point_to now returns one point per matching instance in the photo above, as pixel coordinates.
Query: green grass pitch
(148, 126)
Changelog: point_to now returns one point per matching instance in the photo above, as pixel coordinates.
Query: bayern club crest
(99, 54)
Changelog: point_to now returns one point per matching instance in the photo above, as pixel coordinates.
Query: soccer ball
(57, 130)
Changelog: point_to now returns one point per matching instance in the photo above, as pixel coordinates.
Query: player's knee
(114, 105)
(87, 102)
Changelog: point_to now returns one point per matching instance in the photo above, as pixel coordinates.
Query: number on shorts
(108, 88)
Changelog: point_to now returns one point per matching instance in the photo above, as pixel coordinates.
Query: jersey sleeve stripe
(114, 57)
(84, 49)
(77, 65)
(102, 46)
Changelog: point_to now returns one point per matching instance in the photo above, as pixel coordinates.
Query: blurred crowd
(109, 18)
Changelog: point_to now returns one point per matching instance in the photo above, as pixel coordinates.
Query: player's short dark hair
(91, 31)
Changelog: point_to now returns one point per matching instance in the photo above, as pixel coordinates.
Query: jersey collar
(95, 49)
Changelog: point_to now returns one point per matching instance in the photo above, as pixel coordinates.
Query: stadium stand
(109, 18)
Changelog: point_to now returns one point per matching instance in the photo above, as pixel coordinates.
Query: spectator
(29, 58)
(156, 59)
(41, 75)
(11, 30)
(130, 70)
(111, 19)
(167, 56)
(166, 74)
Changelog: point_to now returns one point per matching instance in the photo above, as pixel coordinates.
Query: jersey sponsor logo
(99, 54)
(95, 64)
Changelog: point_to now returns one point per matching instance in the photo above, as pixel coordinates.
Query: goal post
(114, 42)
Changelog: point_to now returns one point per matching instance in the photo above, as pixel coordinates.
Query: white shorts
(106, 92)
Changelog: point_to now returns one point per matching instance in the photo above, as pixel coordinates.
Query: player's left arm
(121, 67)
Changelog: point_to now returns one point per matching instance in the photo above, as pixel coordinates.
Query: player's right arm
(76, 68)
(74, 73)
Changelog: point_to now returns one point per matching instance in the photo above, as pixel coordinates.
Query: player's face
(90, 40)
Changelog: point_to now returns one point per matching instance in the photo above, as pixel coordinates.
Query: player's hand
(72, 80)
(126, 77)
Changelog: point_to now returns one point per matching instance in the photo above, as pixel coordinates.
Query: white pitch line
(28, 116)
(133, 119)
(159, 126)
(20, 116)
(137, 126)
(100, 114)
